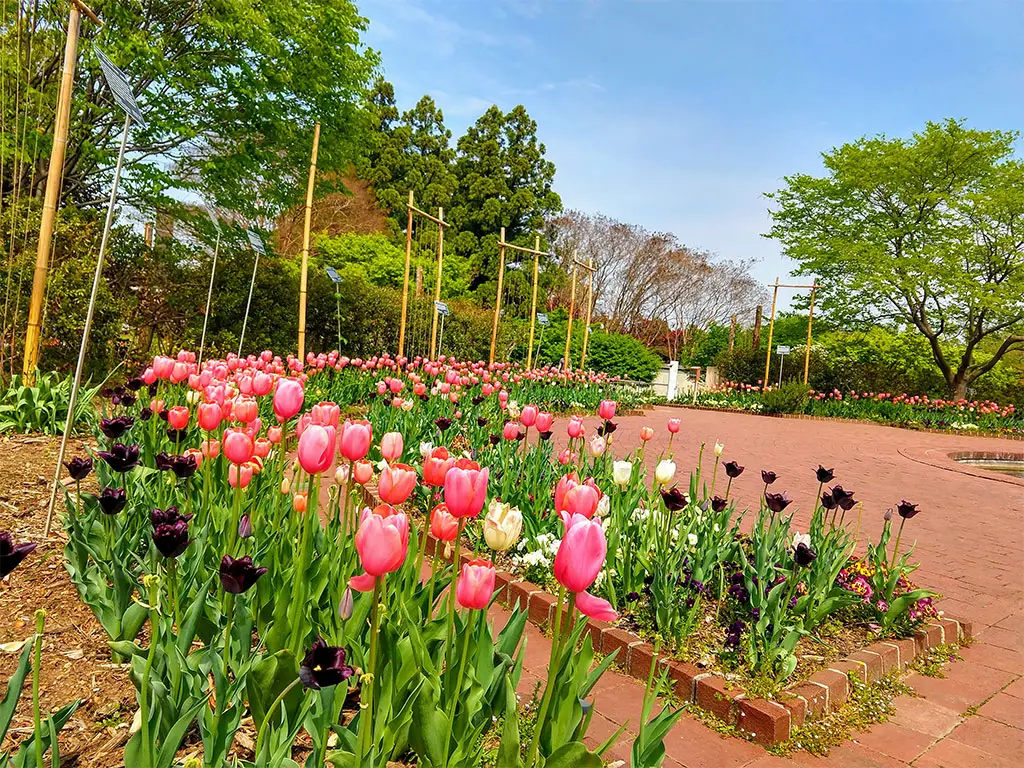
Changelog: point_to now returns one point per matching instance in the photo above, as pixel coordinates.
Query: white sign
(442, 308)
(333, 274)
(783, 350)
(119, 87)
(256, 242)
(542, 318)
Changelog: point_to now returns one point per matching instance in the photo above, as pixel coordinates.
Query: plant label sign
(442, 308)
(783, 350)
(542, 319)
(333, 274)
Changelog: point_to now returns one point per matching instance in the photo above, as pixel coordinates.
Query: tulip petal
(363, 583)
(595, 607)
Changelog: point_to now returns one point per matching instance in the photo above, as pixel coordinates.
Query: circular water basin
(1004, 463)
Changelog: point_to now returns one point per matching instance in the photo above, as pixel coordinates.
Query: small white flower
(425, 448)
(692, 538)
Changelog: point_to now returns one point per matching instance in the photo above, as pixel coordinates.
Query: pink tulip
(475, 587)
(210, 448)
(149, 376)
(511, 430)
(595, 607)
(606, 410)
(396, 483)
(646, 433)
(240, 475)
(356, 439)
(326, 414)
(209, 416)
(575, 427)
(177, 417)
(244, 409)
(465, 489)
(299, 502)
(544, 421)
(436, 466)
(528, 416)
(444, 526)
(316, 448)
(382, 542)
(674, 425)
(179, 372)
(261, 447)
(163, 366)
(391, 446)
(196, 454)
(274, 434)
(262, 383)
(581, 554)
(362, 472)
(565, 457)
(288, 399)
(580, 500)
(238, 446)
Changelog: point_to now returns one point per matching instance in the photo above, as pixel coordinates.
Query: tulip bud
(888, 514)
(299, 502)
(286, 486)
(347, 605)
(244, 527)
(719, 449)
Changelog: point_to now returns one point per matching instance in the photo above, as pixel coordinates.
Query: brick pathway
(970, 542)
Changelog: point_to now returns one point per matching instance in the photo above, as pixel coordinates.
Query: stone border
(768, 722)
(843, 419)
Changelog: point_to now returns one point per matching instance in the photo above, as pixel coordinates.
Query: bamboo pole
(304, 280)
(533, 302)
(497, 301)
(755, 341)
(434, 347)
(771, 329)
(732, 333)
(590, 307)
(405, 283)
(53, 183)
(572, 309)
(810, 321)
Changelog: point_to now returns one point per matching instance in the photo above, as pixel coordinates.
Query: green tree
(502, 180)
(926, 232)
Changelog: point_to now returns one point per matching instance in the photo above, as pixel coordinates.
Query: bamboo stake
(771, 329)
(497, 302)
(732, 333)
(304, 279)
(533, 303)
(590, 307)
(572, 309)
(810, 320)
(405, 284)
(434, 347)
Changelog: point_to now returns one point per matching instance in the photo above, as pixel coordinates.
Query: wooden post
(533, 303)
(590, 307)
(732, 333)
(304, 279)
(810, 321)
(756, 340)
(572, 309)
(148, 234)
(771, 329)
(497, 301)
(54, 176)
(405, 283)
(437, 283)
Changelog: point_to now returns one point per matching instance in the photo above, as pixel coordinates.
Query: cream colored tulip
(665, 471)
(502, 525)
(622, 472)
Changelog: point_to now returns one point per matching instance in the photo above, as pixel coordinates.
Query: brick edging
(768, 722)
(843, 419)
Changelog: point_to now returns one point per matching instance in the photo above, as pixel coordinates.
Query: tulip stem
(270, 714)
(154, 635)
(451, 592)
(365, 735)
(306, 522)
(454, 695)
(728, 487)
(554, 662)
(896, 548)
(36, 720)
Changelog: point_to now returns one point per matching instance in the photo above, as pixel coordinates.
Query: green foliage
(923, 232)
(43, 407)
(373, 258)
(791, 397)
(613, 353)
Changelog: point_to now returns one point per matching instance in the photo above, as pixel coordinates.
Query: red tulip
(444, 526)
(436, 466)
(396, 483)
(209, 416)
(177, 417)
(288, 399)
(316, 448)
(391, 446)
(581, 554)
(475, 587)
(646, 433)
(238, 446)
(356, 439)
(465, 489)
(606, 410)
(674, 425)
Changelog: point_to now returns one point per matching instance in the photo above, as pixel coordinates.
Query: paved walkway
(970, 541)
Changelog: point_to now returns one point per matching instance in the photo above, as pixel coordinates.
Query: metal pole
(497, 302)
(533, 303)
(434, 353)
(304, 279)
(810, 320)
(209, 297)
(248, 303)
(782, 365)
(440, 339)
(590, 307)
(97, 277)
(405, 284)
(771, 329)
(53, 183)
(572, 309)
(337, 307)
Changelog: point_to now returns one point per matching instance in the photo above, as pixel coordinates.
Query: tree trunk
(958, 387)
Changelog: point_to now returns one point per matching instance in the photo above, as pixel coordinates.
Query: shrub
(791, 397)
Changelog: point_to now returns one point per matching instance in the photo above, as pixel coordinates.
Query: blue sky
(678, 115)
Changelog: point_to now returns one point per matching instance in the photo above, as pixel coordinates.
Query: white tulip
(622, 471)
(665, 471)
(426, 448)
(801, 538)
(719, 449)
(597, 446)
(502, 526)
(603, 506)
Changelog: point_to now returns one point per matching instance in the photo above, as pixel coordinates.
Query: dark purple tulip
(632, 597)
(481, 421)
(477, 400)
(163, 461)
(906, 510)
(718, 504)
(238, 576)
(545, 435)
(324, 666)
(121, 458)
(134, 385)
(12, 554)
(152, 389)
(114, 428)
(171, 539)
(129, 399)
(607, 428)
(777, 502)
(112, 500)
(78, 468)
(827, 501)
(674, 499)
(768, 477)
(184, 466)
(824, 475)
(520, 436)
(146, 413)
(732, 469)
(167, 516)
(494, 439)
(443, 423)
(244, 527)
(177, 436)
(803, 555)
(843, 498)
